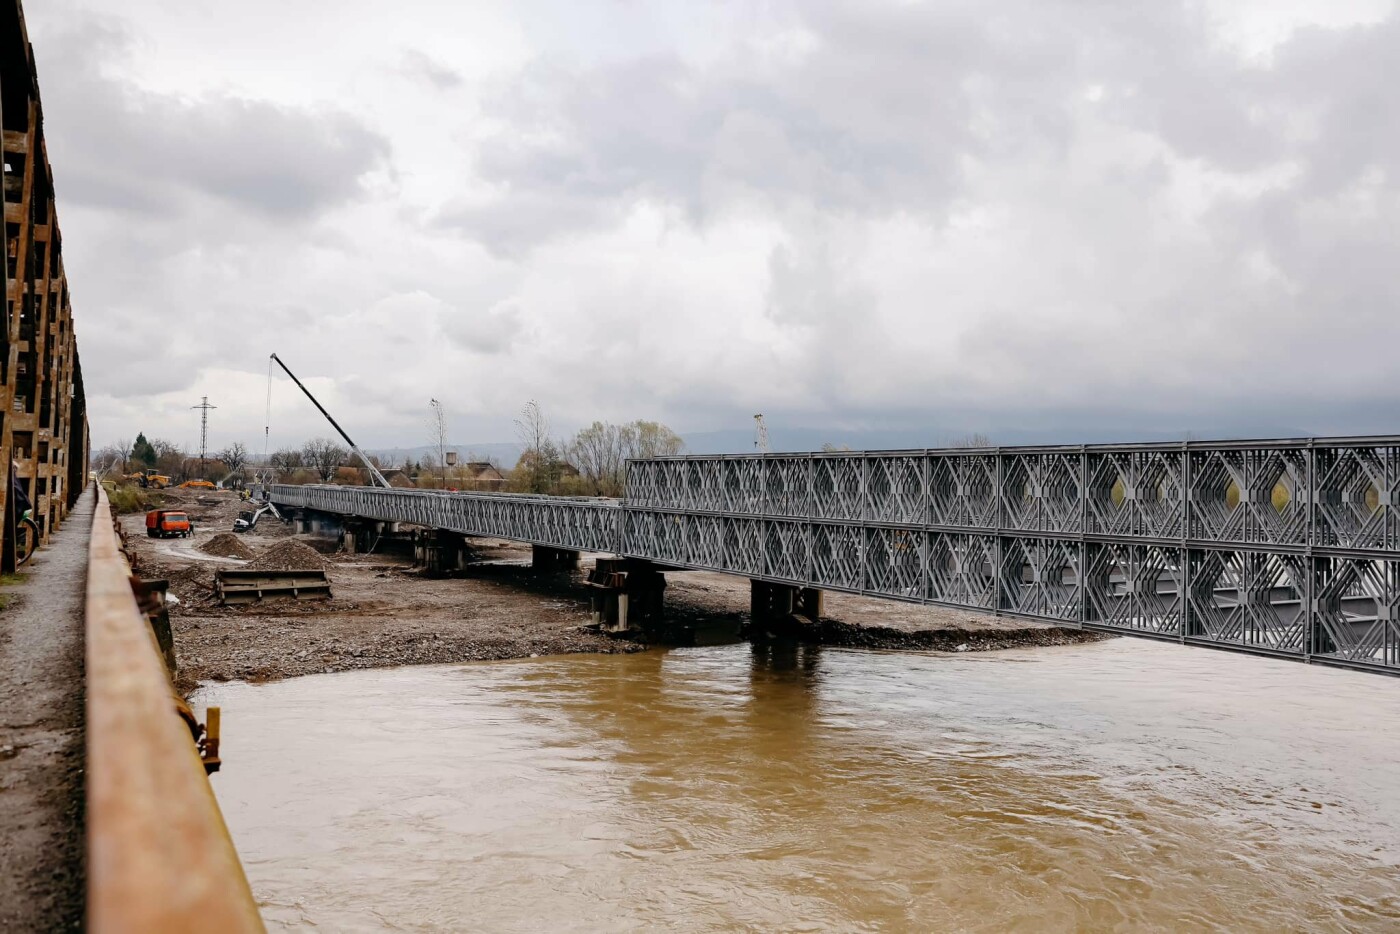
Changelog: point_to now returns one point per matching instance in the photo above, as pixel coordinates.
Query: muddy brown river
(1124, 785)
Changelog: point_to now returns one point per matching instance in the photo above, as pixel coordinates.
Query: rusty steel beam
(159, 855)
(43, 409)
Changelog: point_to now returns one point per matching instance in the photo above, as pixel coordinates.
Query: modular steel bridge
(1288, 548)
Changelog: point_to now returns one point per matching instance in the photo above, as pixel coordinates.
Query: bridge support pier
(311, 522)
(777, 604)
(361, 536)
(355, 535)
(628, 594)
(441, 552)
(544, 558)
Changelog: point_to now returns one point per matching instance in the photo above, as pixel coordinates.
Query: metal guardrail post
(159, 855)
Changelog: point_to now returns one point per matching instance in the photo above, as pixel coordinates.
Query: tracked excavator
(248, 519)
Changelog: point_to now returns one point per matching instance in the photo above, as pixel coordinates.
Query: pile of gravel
(227, 545)
(290, 555)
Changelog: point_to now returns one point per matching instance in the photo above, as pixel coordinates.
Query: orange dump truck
(168, 523)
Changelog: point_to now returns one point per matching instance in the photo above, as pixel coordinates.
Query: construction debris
(289, 555)
(227, 545)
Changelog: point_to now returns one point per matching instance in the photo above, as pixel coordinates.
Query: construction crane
(760, 440)
(369, 465)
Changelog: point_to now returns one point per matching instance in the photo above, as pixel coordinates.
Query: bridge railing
(159, 858)
(578, 523)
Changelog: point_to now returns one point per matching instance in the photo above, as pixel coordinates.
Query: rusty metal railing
(159, 855)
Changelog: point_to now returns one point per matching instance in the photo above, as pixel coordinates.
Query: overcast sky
(963, 215)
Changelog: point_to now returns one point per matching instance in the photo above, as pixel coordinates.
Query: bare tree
(973, 440)
(437, 431)
(541, 463)
(235, 457)
(323, 456)
(832, 448)
(601, 451)
(286, 461)
(123, 450)
(112, 458)
(532, 427)
(600, 454)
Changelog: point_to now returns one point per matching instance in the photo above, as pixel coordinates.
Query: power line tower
(204, 408)
(760, 440)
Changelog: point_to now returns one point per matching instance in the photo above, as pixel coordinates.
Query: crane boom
(373, 470)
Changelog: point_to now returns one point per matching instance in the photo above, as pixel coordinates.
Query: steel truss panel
(895, 489)
(963, 569)
(894, 563)
(1135, 493)
(786, 552)
(1041, 577)
(838, 485)
(1251, 599)
(838, 556)
(704, 541)
(1138, 588)
(743, 546)
(963, 490)
(1042, 492)
(1357, 605)
(787, 484)
(1357, 494)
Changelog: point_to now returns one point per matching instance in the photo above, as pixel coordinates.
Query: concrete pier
(441, 552)
(771, 603)
(628, 594)
(545, 558)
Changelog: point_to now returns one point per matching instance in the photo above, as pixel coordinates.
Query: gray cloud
(133, 150)
(418, 65)
(1068, 215)
(490, 332)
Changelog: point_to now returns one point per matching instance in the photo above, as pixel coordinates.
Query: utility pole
(204, 408)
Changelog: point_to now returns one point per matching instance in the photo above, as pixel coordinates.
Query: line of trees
(593, 462)
(169, 459)
(318, 460)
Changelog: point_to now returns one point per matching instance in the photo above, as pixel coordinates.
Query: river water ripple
(1124, 785)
